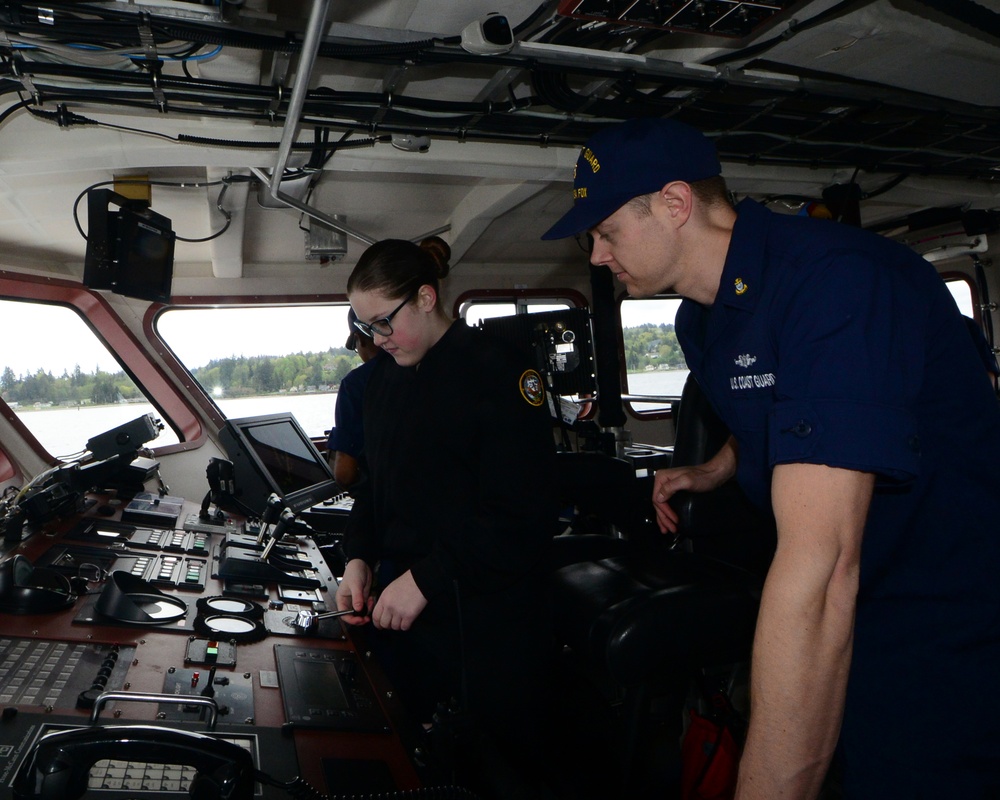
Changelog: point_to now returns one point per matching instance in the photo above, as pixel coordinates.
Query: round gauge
(158, 608)
(230, 627)
(233, 606)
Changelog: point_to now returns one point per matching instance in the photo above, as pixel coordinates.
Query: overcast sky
(56, 339)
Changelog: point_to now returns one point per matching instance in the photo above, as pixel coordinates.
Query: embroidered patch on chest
(532, 388)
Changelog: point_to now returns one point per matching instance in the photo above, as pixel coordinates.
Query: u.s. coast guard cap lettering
(624, 161)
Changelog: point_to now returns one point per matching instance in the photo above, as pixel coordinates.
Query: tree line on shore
(236, 376)
(646, 346)
(651, 345)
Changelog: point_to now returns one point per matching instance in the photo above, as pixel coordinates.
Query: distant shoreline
(144, 402)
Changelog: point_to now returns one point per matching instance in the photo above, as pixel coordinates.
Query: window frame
(202, 398)
(953, 276)
(661, 414)
(109, 329)
(667, 412)
(519, 297)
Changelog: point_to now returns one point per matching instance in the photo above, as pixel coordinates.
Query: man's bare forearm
(802, 648)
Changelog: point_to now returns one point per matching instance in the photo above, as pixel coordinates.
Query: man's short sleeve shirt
(830, 345)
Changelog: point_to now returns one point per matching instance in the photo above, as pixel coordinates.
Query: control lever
(285, 520)
(272, 510)
(307, 618)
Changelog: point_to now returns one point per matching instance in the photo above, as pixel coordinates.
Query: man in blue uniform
(860, 416)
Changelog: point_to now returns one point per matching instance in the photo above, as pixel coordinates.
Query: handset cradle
(59, 765)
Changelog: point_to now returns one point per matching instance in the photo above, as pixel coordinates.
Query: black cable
(106, 75)
(300, 789)
(892, 183)
(66, 119)
(144, 182)
(253, 145)
(794, 27)
(342, 142)
(7, 112)
(122, 28)
(315, 100)
(320, 137)
(501, 129)
(227, 214)
(494, 122)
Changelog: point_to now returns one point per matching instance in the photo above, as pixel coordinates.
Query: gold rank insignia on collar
(741, 287)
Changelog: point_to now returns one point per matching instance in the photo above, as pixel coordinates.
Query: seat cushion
(642, 615)
(571, 548)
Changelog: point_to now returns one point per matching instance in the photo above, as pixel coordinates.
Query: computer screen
(272, 454)
(145, 264)
(129, 251)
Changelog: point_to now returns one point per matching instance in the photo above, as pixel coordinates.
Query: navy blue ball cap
(636, 157)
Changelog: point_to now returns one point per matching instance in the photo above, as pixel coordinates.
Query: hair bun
(438, 249)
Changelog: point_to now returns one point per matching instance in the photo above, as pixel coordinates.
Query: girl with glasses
(448, 541)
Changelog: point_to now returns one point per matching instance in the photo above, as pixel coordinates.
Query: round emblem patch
(532, 388)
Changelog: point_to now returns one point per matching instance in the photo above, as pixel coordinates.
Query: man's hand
(703, 478)
(355, 592)
(399, 604)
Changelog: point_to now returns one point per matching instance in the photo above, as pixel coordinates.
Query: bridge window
(653, 365)
(654, 369)
(62, 381)
(475, 311)
(961, 290)
(265, 359)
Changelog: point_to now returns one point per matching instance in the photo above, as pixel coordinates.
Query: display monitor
(272, 454)
(145, 264)
(129, 251)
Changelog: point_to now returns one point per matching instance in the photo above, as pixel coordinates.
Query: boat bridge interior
(263, 145)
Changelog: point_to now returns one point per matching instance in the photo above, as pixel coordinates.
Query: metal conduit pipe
(309, 211)
(317, 16)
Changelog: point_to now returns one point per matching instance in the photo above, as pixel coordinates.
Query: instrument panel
(131, 639)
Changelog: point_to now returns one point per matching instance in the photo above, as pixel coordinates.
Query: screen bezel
(115, 257)
(135, 275)
(296, 498)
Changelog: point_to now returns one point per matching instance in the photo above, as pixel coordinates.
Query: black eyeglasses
(383, 327)
(585, 241)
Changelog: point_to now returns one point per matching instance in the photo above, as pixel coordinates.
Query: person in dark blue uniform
(984, 349)
(347, 438)
(860, 416)
(449, 540)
